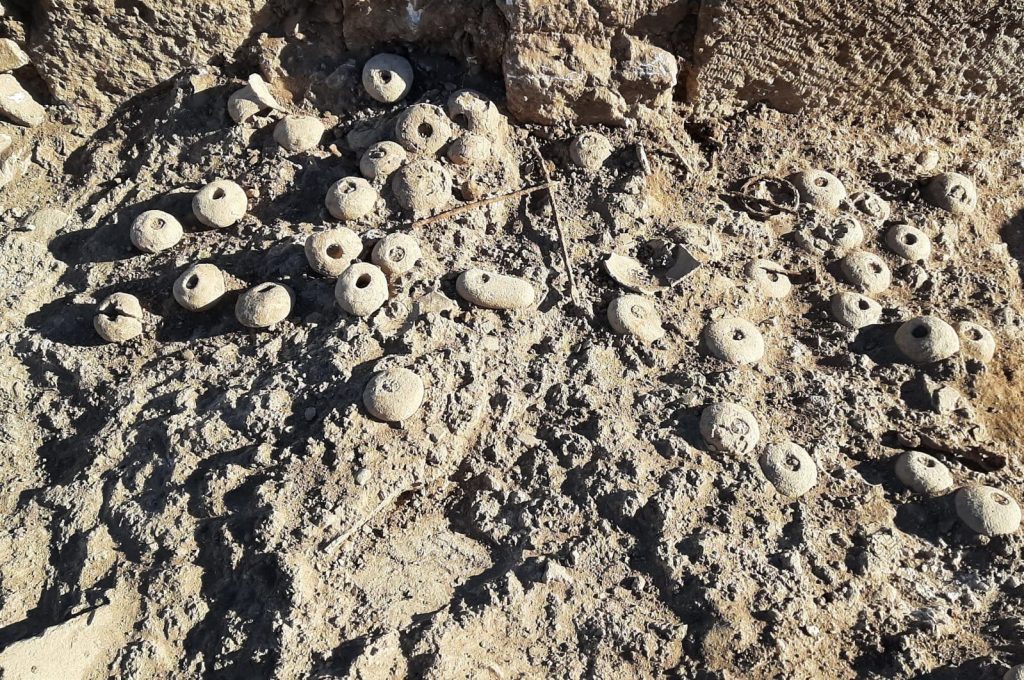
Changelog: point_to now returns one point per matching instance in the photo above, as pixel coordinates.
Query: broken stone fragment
(255, 97)
(12, 165)
(630, 273)
(18, 105)
(11, 56)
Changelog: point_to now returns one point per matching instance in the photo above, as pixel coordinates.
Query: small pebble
(494, 291)
(866, 271)
(987, 510)
(789, 468)
(952, 192)
(976, 341)
(908, 242)
(590, 150)
(927, 160)
(1015, 673)
(297, 133)
(381, 160)
(769, 278)
(422, 186)
(351, 198)
(819, 189)
(734, 340)
(927, 339)
(264, 305)
(396, 253)
(362, 289)
(387, 78)
(922, 473)
(330, 252)
(118, 318)
(423, 129)
(155, 230)
(854, 310)
(220, 204)
(636, 315)
(199, 287)
(393, 395)
(729, 428)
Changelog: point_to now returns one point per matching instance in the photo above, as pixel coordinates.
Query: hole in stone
(348, 187)
(974, 334)
(738, 334)
(363, 281)
(462, 120)
(386, 76)
(929, 463)
(820, 182)
(863, 304)
(335, 251)
(218, 194)
(192, 282)
(396, 254)
(876, 268)
(792, 462)
(739, 427)
(484, 278)
(920, 331)
(159, 223)
(910, 239)
(425, 130)
(638, 311)
(958, 192)
(377, 154)
(1001, 499)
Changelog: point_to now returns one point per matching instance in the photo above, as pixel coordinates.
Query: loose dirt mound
(207, 500)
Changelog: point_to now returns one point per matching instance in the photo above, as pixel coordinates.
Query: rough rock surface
(961, 57)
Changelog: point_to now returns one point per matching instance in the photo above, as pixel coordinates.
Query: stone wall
(589, 61)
